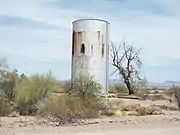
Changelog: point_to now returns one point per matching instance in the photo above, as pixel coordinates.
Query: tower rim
(88, 19)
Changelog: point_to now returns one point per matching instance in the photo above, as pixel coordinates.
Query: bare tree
(126, 60)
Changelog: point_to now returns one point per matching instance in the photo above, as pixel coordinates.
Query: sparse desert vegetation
(41, 100)
(42, 95)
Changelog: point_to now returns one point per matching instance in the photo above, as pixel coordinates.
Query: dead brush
(142, 111)
(80, 103)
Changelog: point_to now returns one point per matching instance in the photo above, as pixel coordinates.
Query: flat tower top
(90, 20)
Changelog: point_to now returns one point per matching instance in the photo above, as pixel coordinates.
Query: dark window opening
(82, 48)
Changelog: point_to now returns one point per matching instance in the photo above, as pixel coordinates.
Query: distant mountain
(166, 84)
(169, 81)
(172, 82)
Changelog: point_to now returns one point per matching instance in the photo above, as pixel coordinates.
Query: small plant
(31, 91)
(86, 87)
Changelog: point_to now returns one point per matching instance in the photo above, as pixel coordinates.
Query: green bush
(8, 79)
(31, 91)
(8, 83)
(86, 87)
(82, 102)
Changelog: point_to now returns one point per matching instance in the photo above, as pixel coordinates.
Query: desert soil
(127, 125)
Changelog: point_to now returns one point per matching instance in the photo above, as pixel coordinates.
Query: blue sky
(35, 35)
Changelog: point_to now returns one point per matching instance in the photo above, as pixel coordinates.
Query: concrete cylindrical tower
(90, 51)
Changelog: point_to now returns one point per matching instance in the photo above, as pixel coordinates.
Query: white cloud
(155, 30)
(35, 44)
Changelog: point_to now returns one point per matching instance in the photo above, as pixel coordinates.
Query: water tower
(90, 57)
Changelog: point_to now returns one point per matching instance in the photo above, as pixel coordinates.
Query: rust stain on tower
(102, 47)
(79, 41)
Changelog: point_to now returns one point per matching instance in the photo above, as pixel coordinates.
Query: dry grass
(151, 95)
(70, 108)
(113, 108)
(118, 88)
(139, 110)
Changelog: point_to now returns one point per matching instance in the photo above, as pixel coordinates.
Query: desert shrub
(155, 88)
(112, 107)
(118, 88)
(8, 82)
(86, 87)
(154, 97)
(8, 79)
(81, 102)
(169, 92)
(5, 107)
(176, 92)
(142, 93)
(146, 95)
(139, 110)
(70, 107)
(156, 92)
(31, 91)
(63, 87)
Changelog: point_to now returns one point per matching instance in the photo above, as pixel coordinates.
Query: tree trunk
(178, 99)
(128, 84)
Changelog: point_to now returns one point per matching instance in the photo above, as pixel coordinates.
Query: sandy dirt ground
(165, 130)
(171, 128)
(168, 124)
